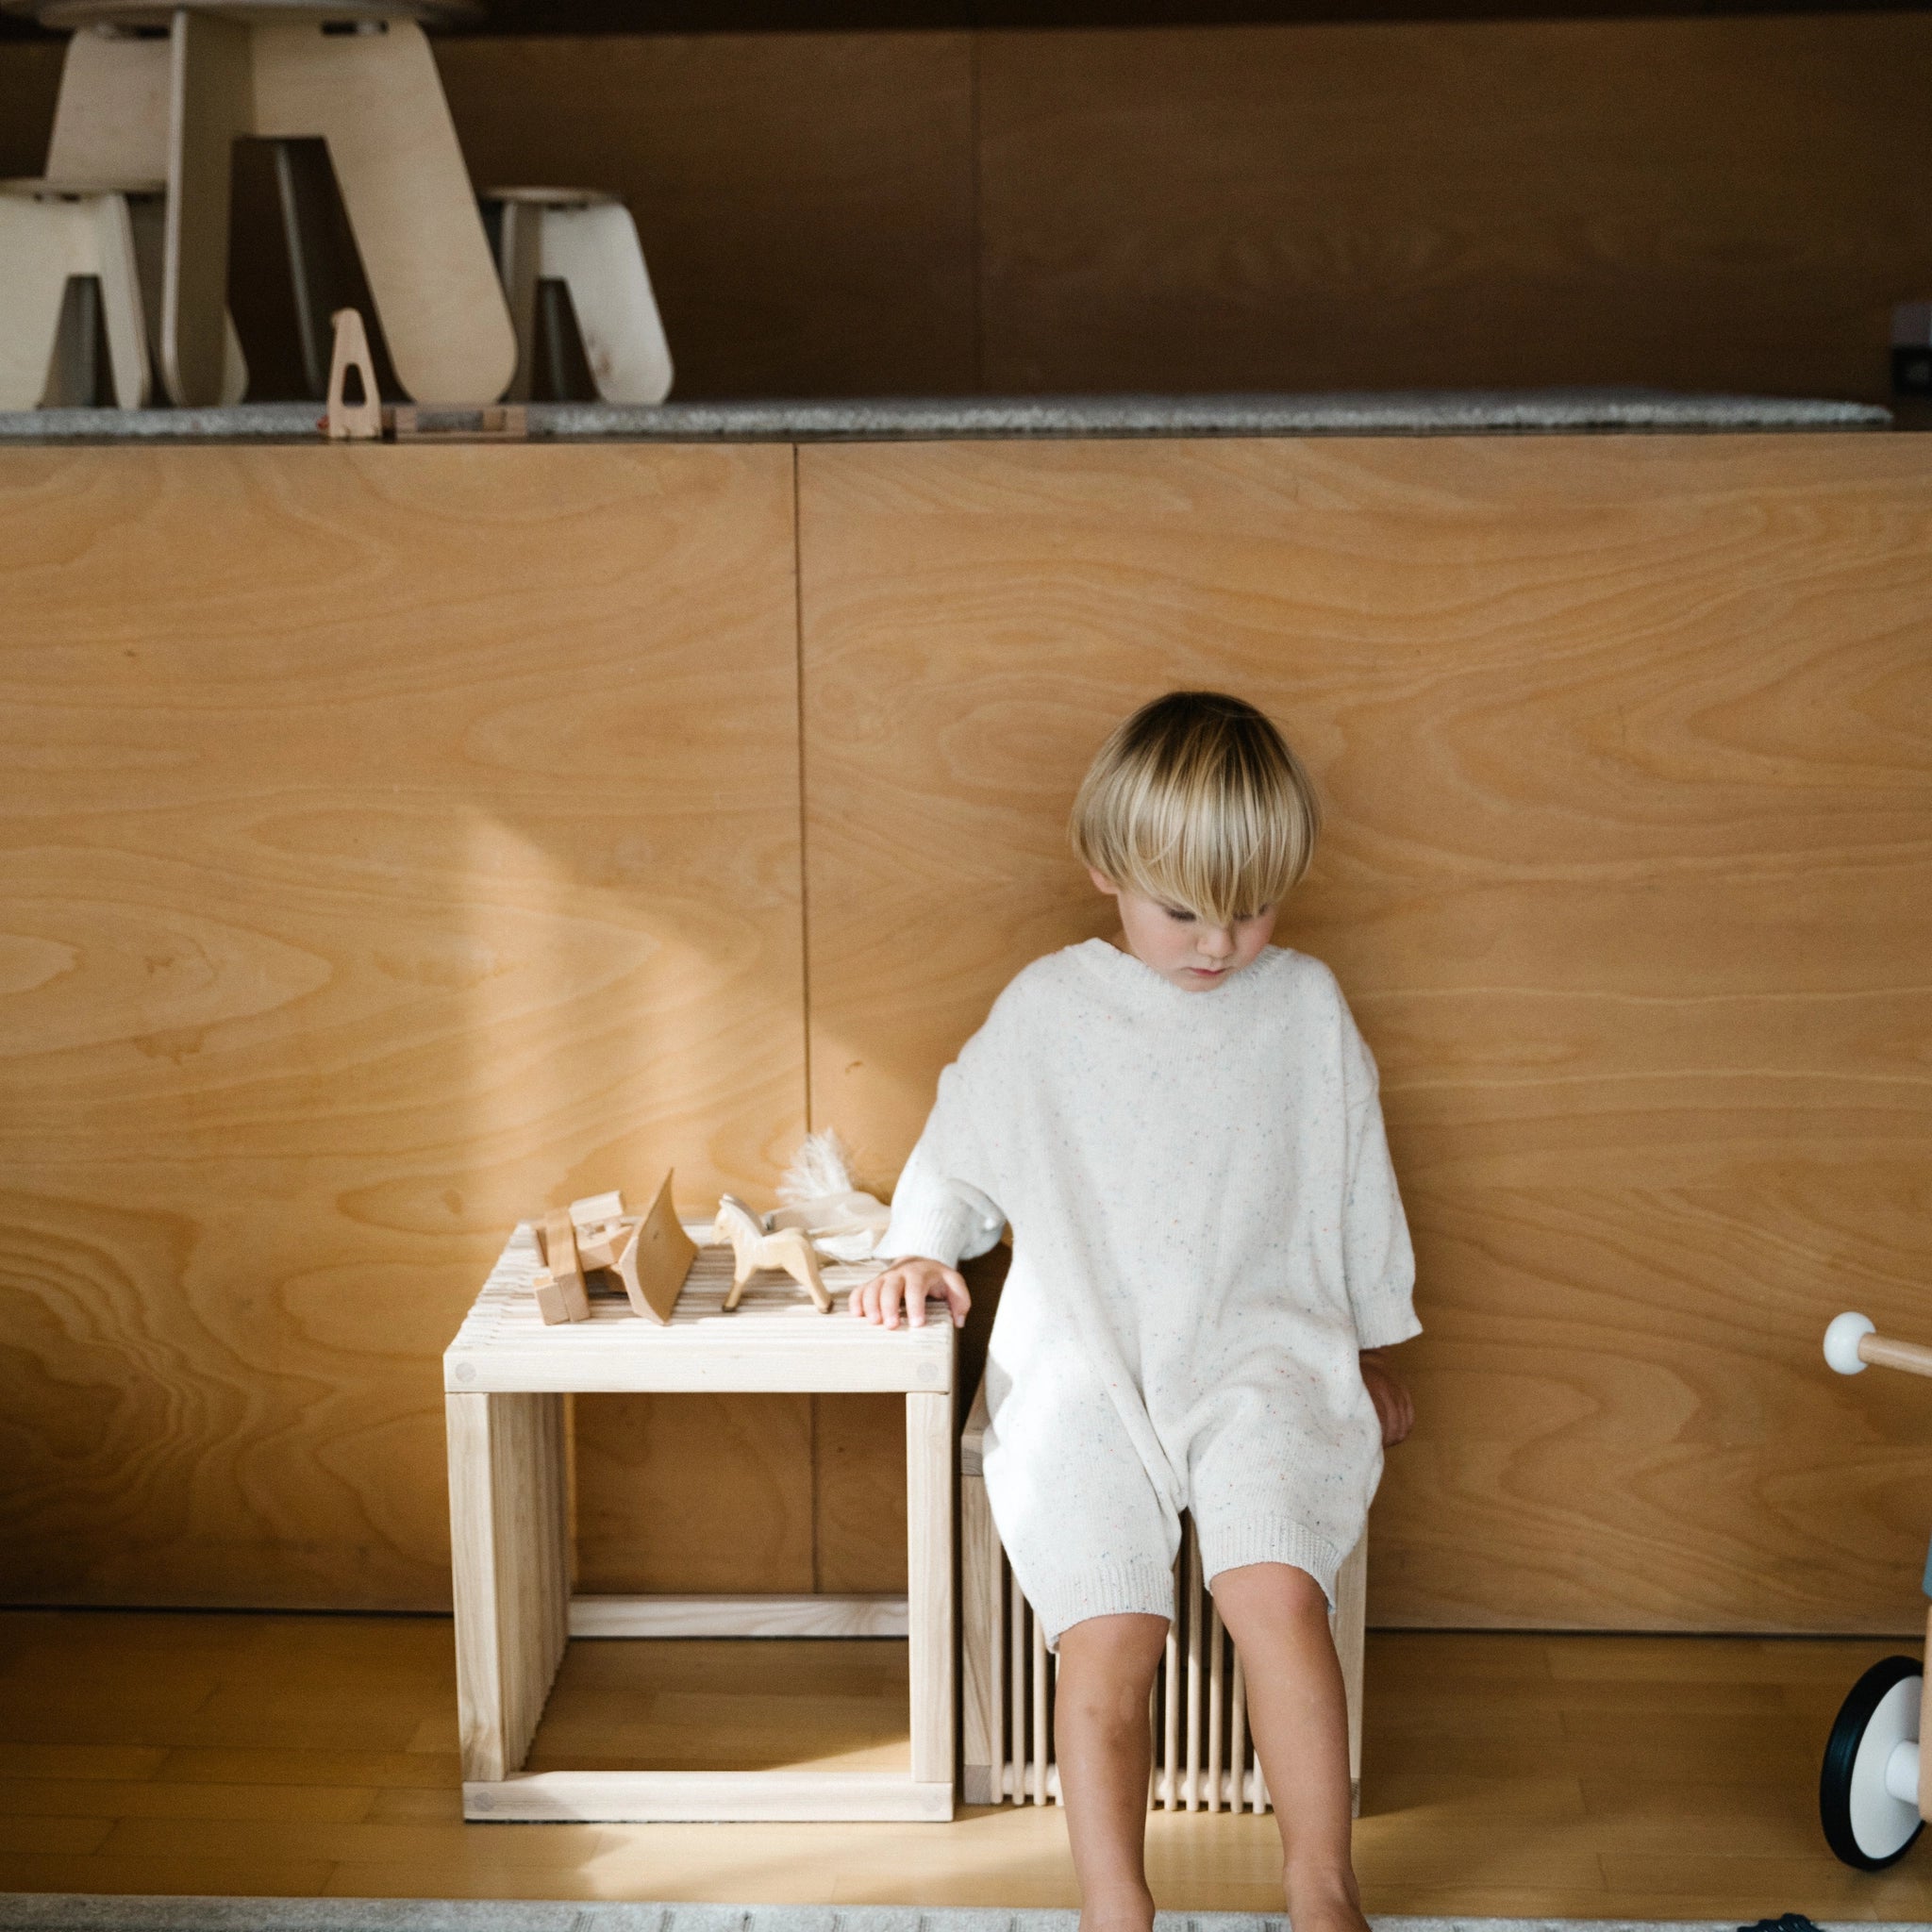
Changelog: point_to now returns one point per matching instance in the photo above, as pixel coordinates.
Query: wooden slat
(383, 860)
(1628, 877)
(981, 1646)
(773, 1616)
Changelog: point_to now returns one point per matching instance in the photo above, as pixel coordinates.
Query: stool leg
(376, 99)
(520, 263)
(510, 1564)
(36, 244)
(595, 250)
(929, 1583)
(209, 106)
(120, 304)
(111, 122)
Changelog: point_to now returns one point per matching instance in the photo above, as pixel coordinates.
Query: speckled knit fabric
(1206, 1231)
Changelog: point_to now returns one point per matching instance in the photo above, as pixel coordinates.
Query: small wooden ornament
(752, 1248)
(346, 421)
(654, 1261)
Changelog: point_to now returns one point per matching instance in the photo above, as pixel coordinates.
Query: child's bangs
(1221, 859)
(1196, 801)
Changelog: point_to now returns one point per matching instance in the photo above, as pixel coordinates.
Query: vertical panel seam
(812, 1402)
(804, 870)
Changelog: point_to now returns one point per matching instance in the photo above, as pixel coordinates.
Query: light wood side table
(506, 1377)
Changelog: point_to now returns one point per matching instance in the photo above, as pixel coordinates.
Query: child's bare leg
(1104, 1744)
(1298, 1713)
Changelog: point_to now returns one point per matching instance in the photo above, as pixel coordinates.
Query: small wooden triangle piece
(359, 421)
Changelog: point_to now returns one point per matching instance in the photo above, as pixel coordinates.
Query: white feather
(822, 1166)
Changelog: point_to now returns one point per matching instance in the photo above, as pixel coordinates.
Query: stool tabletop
(83, 13)
(775, 1340)
(549, 197)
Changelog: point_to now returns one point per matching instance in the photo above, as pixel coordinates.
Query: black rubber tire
(1840, 1753)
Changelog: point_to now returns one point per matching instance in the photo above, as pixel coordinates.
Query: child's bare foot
(1122, 1912)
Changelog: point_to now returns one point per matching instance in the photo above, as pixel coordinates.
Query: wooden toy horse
(752, 1248)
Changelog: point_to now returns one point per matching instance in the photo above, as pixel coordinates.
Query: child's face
(1182, 947)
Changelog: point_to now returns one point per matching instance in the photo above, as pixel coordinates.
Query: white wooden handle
(1852, 1342)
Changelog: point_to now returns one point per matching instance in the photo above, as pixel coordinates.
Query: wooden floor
(1589, 1776)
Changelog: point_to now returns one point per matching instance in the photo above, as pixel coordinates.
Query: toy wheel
(1866, 1822)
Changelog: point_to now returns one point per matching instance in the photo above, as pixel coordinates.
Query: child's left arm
(1394, 1404)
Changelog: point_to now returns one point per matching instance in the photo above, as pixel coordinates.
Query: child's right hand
(911, 1282)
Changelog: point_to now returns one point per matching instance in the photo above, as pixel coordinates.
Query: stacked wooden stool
(161, 94)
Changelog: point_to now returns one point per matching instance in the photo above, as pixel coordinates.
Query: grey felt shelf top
(891, 419)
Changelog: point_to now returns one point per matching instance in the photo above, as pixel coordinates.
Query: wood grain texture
(510, 1536)
(1586, 1777)
(804, 200)
(1709, 203)
(1722, 204)
(392, 842)
(1627, 876)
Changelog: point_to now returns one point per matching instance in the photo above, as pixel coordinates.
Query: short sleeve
(945, 1206)
(1377, 1257)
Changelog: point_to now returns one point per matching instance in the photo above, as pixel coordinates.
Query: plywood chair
(360, 76)
(588, 243)
(50, 235)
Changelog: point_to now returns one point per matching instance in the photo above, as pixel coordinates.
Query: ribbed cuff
(938, 1229)
(1398, 1325)
(1269, 1539)
(1107, 1589)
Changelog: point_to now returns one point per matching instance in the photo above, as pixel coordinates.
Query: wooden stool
(1203, 1759)
(359, 74)
(588, 243)
(506, 1377)
(50, 233)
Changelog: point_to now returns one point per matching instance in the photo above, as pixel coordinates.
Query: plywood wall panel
(1626, 746)
(392, 840)
(804, 200)
(1706, 204)
(1716, 202)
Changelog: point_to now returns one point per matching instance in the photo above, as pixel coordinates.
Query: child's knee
(1281, 1590)
(1111, 1659)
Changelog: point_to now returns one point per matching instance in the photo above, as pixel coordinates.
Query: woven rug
(87, 1912)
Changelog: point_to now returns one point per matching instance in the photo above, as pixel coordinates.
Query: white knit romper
(1205, 1232)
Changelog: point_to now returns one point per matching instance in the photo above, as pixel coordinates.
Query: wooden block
(595, 1209)
(656, 1259)
(357, 420)
(550, 1301)
(560, 1258)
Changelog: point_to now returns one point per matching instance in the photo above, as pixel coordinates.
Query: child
(1181, 1126)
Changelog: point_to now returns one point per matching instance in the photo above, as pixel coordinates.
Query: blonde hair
(1197, 801)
